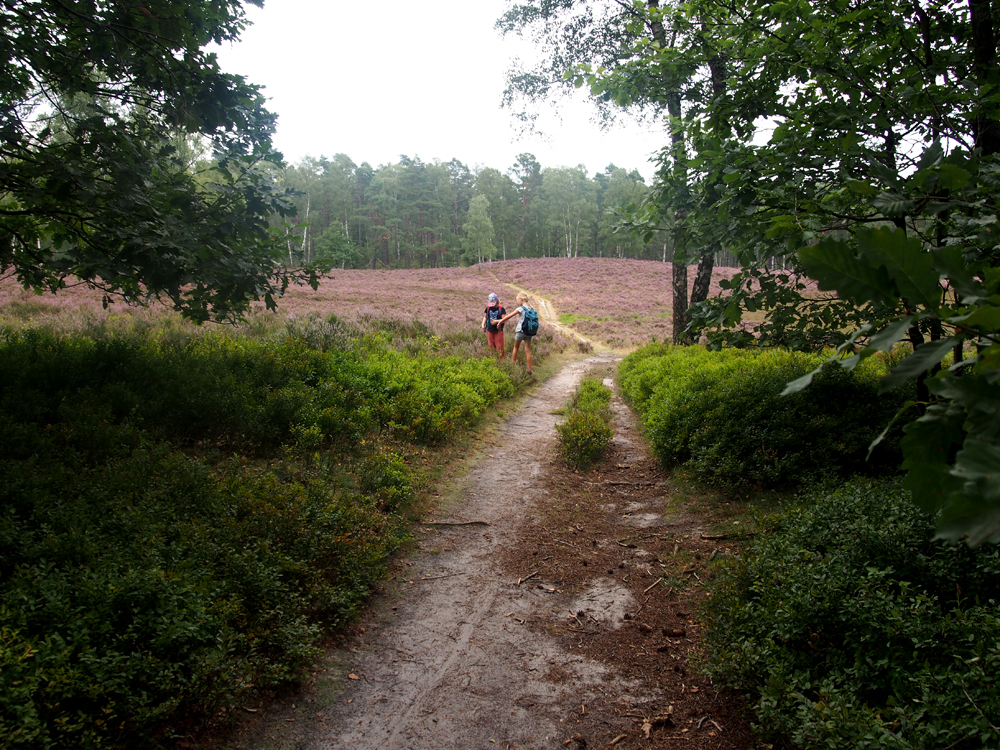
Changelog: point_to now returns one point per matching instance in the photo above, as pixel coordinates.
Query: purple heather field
(622, 303)
(619, 302)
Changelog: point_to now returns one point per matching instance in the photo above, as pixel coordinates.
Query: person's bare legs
(527, 352)
(513, 356)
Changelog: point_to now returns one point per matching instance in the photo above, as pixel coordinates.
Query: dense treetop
(415, 214)
(101, 103)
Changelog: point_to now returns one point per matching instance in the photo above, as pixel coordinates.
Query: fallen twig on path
(530, 575)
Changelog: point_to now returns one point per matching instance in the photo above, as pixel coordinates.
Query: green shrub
(152, 584)
(243, 394)
(385, 479)
(851, 628)
(586, 431)
(593, 396)
(182, 515)
(723, 416)
(583, 436)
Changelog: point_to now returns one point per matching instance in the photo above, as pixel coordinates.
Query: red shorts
(495, 340)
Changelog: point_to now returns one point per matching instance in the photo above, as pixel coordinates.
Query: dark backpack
(529, 326)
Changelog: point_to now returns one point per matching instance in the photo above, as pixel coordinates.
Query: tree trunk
(305, 229)
(703, 277)
(678, 176)
(680, 301)
(922, 391)
(984, 55)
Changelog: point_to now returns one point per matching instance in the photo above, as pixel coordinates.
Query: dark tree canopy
(98, 99)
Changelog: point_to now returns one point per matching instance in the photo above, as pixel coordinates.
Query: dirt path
(542, 608)
(547, 312)
(453, 665)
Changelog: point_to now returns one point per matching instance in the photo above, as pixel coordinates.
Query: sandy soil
(542, 608)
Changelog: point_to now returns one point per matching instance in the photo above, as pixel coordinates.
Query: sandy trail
(521, 620)
(453, 665)
(547, 313)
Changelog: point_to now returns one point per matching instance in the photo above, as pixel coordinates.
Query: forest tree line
(416, 214)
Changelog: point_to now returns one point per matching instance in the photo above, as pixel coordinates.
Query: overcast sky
(375, 80)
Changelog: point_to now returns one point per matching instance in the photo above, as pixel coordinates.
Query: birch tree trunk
(305, 230)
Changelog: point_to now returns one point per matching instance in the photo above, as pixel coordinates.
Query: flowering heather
(74, 308)
(18, 302)
(443, 298)
(450, 301)
(447, 301)
(620, 302)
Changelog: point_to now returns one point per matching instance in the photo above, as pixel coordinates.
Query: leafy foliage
(878, 181)
(478, 228)
(951, 450)
(586, 431)
(850, 627)
(148, 584)
(722, 414)
(93, 105)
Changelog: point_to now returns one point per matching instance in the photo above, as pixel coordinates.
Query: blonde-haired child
(519, 336)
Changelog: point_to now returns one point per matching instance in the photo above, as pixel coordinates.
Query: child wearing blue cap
(493, 324)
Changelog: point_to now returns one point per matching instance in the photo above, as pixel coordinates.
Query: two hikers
(494, 318)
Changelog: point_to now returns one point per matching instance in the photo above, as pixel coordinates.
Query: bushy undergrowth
(721, 413)
(851, 628)
(586, 431)
(181, 514)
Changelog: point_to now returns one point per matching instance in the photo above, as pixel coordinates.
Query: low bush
(851, 628)
(181, 516)
(723, 416)
(586, 431)
(243, 394)
(153, 584)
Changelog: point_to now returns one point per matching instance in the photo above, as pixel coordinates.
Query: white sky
(375, 80)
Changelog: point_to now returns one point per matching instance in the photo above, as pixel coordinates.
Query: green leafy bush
(723, 416)
(851, 628)
(594, 397)
(384, 477)
(181, 516)
(239, 393)
(153, 583)
(586, 431)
